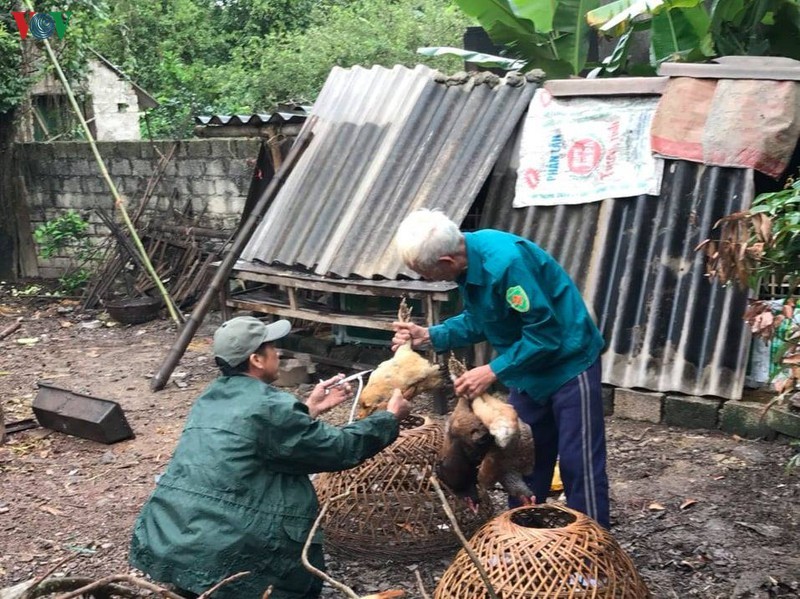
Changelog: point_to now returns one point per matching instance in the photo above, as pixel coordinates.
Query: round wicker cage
(393, 511)
(543, 551)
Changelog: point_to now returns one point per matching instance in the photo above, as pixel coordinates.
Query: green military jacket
(236, 495)
(520, 300)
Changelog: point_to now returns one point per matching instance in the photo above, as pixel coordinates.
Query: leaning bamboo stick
(104, 171)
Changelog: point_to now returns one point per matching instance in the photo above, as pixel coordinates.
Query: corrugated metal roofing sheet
(667, 327)
(386, 142)
(251, 119)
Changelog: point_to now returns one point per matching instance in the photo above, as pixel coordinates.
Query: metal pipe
(225, 267)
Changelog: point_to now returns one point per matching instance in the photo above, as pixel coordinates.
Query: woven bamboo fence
(544, 551)
(393, 512)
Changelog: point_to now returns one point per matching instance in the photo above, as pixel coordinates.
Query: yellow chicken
(405, 370)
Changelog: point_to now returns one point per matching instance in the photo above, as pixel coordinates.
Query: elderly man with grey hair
(520, 300)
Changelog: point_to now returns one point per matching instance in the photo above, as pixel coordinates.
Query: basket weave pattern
(543, 551)
(393, 511)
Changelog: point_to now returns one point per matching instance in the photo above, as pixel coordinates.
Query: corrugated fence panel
(667, 327)
(385, 143)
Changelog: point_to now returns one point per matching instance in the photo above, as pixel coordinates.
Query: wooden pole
(225, 267)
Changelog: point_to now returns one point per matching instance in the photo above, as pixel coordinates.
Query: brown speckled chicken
(405, 370)
(486, 442)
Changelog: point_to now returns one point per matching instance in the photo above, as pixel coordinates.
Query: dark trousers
(569, 427)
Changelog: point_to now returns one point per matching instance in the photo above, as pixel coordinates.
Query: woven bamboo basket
(543, 551)
(393, 512)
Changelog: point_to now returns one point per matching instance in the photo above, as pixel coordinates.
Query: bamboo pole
(225, 267)
(118, 202)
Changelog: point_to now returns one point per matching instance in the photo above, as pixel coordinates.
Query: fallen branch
(60, 585)
(304, 555)
(37, 581)
(319, 573)
(222, 583)
(457, 529)
(11, 328)
(421, 586)
(104, 582)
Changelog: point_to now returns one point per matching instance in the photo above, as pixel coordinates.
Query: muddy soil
(701, 513)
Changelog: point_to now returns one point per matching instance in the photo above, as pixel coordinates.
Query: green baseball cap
(239, 337)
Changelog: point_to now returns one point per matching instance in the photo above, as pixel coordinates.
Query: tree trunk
(17, 251)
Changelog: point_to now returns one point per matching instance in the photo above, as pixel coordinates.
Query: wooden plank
(257, 272)
(370, 322)
(730, 71)
(623, 86)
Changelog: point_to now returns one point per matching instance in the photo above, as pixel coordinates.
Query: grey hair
(424, 236)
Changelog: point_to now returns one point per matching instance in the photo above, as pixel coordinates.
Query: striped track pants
(569, 427)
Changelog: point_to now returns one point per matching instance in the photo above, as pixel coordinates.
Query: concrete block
(691, 412)
(608, 400)
(72, 185)
(120, 166)
(63, 149)
(638, 405)
(197, 148)
(295, 371)
(191, 168)
(784, 421)
(216, 205)
(216, 167)
(82, 167)
(141, 167)
(225, 188)
(743, 418)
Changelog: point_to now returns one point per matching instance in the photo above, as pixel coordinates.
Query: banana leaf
(538, 52)
(615, 17)
(479, 58)
(681, 34)
(570, 19)
(492, 12)
(539, 12)
(783, 35)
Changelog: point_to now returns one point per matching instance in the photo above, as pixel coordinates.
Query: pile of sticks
(181, 252)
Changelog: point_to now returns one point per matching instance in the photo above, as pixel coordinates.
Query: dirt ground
(701, 513)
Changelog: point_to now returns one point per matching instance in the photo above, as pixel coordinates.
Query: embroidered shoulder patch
(518, 299)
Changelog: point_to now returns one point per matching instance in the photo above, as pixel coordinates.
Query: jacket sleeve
(293, 442)
(458, 331)
(541, 332)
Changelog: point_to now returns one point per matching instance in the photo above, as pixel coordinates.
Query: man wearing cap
(236, 495)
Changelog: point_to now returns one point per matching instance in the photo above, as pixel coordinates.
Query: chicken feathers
(405, 370)
(486, 443)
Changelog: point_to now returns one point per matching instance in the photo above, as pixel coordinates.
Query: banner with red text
(578, 150)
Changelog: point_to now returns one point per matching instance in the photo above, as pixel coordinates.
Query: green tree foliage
(12, 83)
(293, 65)
(72, 50)
(244, 56)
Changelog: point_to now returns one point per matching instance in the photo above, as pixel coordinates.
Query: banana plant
(552, 35)
(693, 30)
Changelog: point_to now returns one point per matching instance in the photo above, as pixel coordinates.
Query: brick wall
(206, 178)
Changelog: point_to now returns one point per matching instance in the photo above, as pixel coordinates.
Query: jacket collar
(474, 274)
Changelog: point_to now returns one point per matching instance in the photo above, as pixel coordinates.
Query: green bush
(66, 236)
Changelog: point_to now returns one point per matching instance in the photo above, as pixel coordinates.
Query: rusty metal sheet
(666, 326)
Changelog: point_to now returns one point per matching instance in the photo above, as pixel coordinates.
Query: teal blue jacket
(520, 300)
(236, 495)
